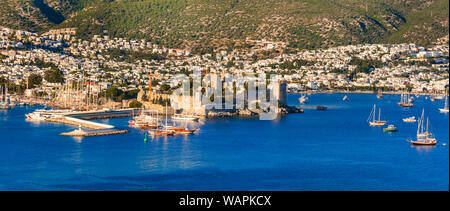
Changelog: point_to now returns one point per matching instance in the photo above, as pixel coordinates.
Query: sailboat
(405, 101)
(4, 104)
(345, 98)
(182, 131)
(143, 121)
(372, 116)
(424, 136)
(380, 95)
(303, 99)
(445, 109)
(165, 131)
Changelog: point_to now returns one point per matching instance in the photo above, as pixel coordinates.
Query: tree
(54, 75)
(135, 104)
(34, 80)
(113, 92)
(165, 87)
(3, 80)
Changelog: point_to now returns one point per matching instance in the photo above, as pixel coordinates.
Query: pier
(90, 128)
(103, 114)
(79, 122)
(97, 132)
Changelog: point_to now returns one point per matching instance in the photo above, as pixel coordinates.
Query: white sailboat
(405, 101)
(4, 101)
(445, 109)
(303, 99)
(424, 136)
(345, 98)
(372, 121)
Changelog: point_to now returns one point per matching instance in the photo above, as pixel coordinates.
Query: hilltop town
(38, 65)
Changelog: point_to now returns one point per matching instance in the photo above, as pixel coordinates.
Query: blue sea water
(316, 150)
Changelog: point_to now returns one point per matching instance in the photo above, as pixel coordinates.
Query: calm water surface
(316, 150)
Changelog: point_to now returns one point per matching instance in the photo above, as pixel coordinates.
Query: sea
(316, 150)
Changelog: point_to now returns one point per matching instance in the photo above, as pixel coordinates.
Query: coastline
(366, 92)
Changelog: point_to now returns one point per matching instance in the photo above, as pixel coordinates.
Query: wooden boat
(146, 126)
(162, 133)
(428, 142)
(182, 131)
(405, 101)
(165, 131)
(372, 121)
(424, 136)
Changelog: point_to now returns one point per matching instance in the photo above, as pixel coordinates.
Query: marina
(80, 119)
(296, 152)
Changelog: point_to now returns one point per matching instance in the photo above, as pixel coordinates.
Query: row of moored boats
(157, 127)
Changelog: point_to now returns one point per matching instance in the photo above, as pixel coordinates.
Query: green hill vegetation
(206, 24)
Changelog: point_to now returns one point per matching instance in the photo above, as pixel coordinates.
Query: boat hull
(162, 133)
(377, 123)
(422, 143)
(405, 105)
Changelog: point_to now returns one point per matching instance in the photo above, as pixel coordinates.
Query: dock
(90, 128)
(78, 122)
(96, 132)
(90, 115)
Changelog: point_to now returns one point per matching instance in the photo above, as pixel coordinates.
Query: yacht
(345, 98)
(38, 115)
(185, 117)
(410, 119)
(390, 129)
(372, 121)
(424, 136)
(445, 109)
(303, 99)
(405, 101)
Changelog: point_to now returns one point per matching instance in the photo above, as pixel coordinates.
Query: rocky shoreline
(252, 112)
(365, 92)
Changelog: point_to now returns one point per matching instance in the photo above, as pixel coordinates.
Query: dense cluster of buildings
(403, 65)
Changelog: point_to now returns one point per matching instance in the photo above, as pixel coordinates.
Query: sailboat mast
(166, 115)
(1, 94)
(374, 112)
(379, 115)
(418, 126)
(446, 102)
(6, 93)
(157, 118)
(422, 118)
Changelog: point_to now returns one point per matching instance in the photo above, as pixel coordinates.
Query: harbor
(334, 149)
(81, 120)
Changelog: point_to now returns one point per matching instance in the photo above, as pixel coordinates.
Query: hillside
(202, 24)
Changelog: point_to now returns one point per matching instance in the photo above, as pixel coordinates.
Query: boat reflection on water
(423, 149)
(78, 139)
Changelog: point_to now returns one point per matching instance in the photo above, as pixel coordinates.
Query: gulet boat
(372, 121)
(424, 136)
